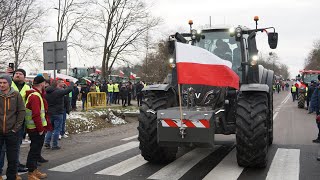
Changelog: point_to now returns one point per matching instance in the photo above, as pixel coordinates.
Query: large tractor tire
(251, 129)
(270, 123)
(150, 149)
(301, 100)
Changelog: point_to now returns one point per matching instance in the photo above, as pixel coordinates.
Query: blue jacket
(314, 103)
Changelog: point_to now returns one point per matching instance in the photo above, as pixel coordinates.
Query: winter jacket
(139, 89)
(75, 93)
(55, 99)
(34, 104)
(84, 92)
(12, 111)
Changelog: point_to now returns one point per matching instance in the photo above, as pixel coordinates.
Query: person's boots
(39, 174)
(31, 176)
(18, 177)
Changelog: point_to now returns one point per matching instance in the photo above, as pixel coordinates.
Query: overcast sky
(296, 21)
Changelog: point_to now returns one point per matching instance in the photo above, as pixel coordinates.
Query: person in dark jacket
(139, 87)
(12, 113)
(55, 97)
(84, 92)
(67, 110)
(124, 94)
(309, 95)
(75, 93)
(129, 88)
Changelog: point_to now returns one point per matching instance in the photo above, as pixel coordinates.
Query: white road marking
(93, 158)
(124, 166)
(179, 167)
(130, 138)
(275, 115)
(227, 169)
(285, 99)
(285, 165)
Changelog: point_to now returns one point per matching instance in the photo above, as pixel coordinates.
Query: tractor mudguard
(157, 87)
(254, 87)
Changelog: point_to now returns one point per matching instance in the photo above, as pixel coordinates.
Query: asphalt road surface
(114, 154)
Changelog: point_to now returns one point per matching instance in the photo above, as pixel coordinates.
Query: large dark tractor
(304, 81)
(207, 110)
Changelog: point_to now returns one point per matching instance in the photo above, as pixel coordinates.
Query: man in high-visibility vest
(110, 92)
(116, 91)
(37, 125)
(294, 92)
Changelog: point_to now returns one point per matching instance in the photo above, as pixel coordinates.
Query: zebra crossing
(284, 163)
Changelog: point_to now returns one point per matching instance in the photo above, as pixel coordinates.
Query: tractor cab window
(307, 78)
(222, 45)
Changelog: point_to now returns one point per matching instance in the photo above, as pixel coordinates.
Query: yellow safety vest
(294, 89)
(97, 88)
(110, 87)
(116, 87)
(23, 91)
(306, 91)
(29, 121)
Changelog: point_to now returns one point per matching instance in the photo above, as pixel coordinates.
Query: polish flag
(132, 75)
(196, 65)
(121, 73)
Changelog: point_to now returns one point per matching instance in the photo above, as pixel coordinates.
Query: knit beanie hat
(6, 77)
(22, 71)
(38, 80)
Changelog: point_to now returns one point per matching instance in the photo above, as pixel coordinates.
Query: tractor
(209, 110)
(303, 82)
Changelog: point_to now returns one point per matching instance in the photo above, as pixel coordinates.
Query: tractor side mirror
(273, 40)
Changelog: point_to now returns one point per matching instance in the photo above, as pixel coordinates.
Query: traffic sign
(55, 55)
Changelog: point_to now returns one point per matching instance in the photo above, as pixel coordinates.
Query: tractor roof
(309, 71)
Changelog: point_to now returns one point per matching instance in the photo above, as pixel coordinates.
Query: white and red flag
(132, 75)
(121, 73)
(196, 65)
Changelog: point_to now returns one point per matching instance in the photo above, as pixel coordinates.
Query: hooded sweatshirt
(12, 111)
(34, 104)
(55, 99)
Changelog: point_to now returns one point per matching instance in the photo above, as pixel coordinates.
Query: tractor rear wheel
(301, 100)
(150, 149)
(251, 129)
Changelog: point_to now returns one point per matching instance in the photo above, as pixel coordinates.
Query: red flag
(121, 74)
(132, 75)
(196, 65)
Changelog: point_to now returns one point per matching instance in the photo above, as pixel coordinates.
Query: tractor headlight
(254, 60)
(199, 31)
(232, 32)
(171, 60)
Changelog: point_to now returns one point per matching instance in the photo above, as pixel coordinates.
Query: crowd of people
(115, 92)
(312, 98)
(38, 111)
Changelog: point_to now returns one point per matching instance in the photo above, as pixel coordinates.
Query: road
(114, 154)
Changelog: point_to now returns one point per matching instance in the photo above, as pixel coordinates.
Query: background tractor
(208, 110)
(302, 82)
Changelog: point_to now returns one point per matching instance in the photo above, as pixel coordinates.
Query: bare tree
(119, 28)
(312, 62)
(6, 12)
(25, 21)
(71, 16)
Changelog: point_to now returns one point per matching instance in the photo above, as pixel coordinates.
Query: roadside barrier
(96, 100)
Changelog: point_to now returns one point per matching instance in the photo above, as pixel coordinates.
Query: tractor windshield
(307, 78)
(221, 44)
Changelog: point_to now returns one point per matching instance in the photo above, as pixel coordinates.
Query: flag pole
(180, 106)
